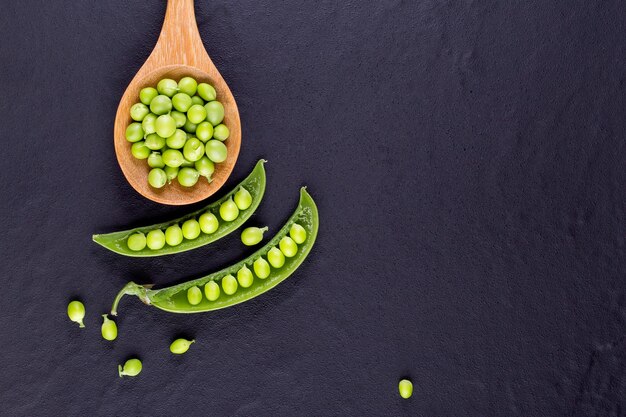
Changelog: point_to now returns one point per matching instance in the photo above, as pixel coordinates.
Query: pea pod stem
(131, 288)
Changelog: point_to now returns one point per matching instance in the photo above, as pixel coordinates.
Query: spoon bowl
(179, 52)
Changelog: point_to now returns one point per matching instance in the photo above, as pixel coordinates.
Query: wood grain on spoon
(178, 53)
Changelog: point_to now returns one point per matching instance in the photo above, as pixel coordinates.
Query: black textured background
(468, 160)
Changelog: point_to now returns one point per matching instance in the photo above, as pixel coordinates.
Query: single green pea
(136, 241)
(208, 222)
(252, 235)
(167, 87)
(155, 142)
(171, 172)
(108, 328)
(275, 257)
(196, 114)
(191, 229)
(157, 178)
(261, 268)
(297, 233)
(193, 149)
(229, 210)
(204, 131)
(147, 94)
(205, 167)
(194, 295)
(148, 124)
(173, 158)
(155, 160)
(181, 102)
(206, 91)
(165, 125)
(138, 111)
(405, 387)
(245, 277)
(214, 112)
(76, 312)
(188, 177)
(134, 132)
(179, 118)
(288, 247)
(155, 239)
(177, 140)
(132, 367)
(243, 199)
(188, 86)
(197, 100)
(190, 127)
(216, 151)
(140, 150)
(229, 284)
(212, 291)
(173, 235)
(180, 346)
(160, 105)
(221, 132)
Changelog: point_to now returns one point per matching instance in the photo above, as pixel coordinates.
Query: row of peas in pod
(177, 127)
(190, 229)
(287, 248)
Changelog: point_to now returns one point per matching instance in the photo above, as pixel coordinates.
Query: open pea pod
(207, 294)
(254, 184)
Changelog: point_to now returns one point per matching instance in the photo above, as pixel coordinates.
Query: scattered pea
(136, 241)
(275, 257)
(173, 235)
(194, 295)
(109, 328)
(208, 223)
(155, 239)
(252, 235)
(229, 284)
(243, 199)
(288, 247)
(297, 233)
(157, 177)
(245, 277)
(76, 312)
(132, 367)
(221, 132)
(405, 387)
(191, 229)
(261, 268)
(180, 346)
(212, 291)
(229, 210)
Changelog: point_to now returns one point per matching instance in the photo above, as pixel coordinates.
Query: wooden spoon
(178, 53)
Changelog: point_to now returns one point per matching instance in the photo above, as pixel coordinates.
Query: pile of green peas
(191, 229)
(178, 128)
(287, 248)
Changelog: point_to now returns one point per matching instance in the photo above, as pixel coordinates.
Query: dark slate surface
(468, 159)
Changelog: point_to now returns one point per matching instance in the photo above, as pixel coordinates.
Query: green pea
(161, 105)
(147, 94)
(245, 277)
(297, 233)
(138, 111)
(206, 91)
(132, 367)
(140, 150)
(208, 222)
(76, 312)
(173, 235)
(134, 132)
(186, 163)
(179, 118)
(188, 86)
(229, 210)
(196, 114)
(193, 150)
(275, 257)
(181, 102)
(191, 229)
(167, 87)
(109, 328)
(212, 291)
(214, 112)
(252, 235)
(194, 295)
(180, 346)
(173, 158)
(405, 387)
(190, 127)
(165, 125)
(136, 241)
(155, 142)
(148, 124)
(177, 140)
(197, 100)
(188, 177)
(243, 199)
(157, 178)
(155, 160)
(204, 131)
(229, 284)
(171, 172)
(221, 132)
(216, 151)
(288, 247)
(261, 268)
(205, 167)
(155, 239)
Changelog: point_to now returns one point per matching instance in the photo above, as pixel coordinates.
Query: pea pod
(254, 184)
(174, 298)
